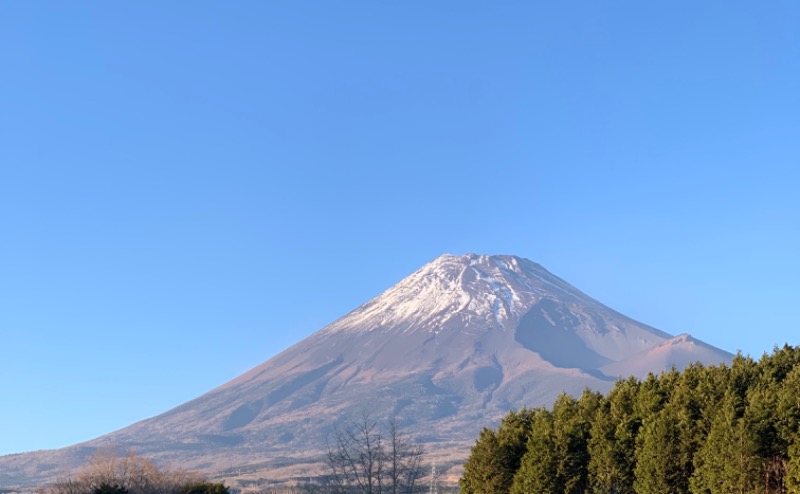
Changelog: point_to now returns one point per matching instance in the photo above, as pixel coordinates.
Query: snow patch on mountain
(453, 291)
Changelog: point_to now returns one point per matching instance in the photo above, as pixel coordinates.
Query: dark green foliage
(512, 436)
(789, 426)
(660, 465)
(726, 463)
(483, 471)
(557, 457)
(539, 467)
(603, 470)
(203, 487)
(706, 430)
(571, 428)
(776, 367)
(496, 456)
(612, 442)
(105, 488)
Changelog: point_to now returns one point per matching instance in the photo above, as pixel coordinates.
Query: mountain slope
(447, 351)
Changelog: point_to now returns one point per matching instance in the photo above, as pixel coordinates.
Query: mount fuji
(447, 351)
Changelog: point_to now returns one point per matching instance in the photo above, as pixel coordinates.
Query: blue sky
(186, 189)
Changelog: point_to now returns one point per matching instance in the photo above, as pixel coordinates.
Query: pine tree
(706, 430)
(650, 398)
(761, 422)
(612, 443)
(726, 463)
(628, 423)
(512, 436)
(570, 456)
(789, 427)
(482, 467)
(659, 469)
(538, 470)
(793, 467)
(688, 405)
(776, 366)
(603, 475)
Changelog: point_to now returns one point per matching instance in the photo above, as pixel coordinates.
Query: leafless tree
(365, 458)
(130, 472)
(404, 458)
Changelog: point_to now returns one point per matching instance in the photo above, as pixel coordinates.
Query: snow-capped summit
(481, 294)
(446, 351)
(452, 292)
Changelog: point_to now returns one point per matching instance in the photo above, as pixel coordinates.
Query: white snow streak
(492, 291)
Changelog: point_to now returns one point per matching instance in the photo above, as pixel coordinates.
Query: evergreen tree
(539, 467)
(687, 402)
(575, 434)
(659, 467)
(482, 471)
(650, 398)
(778, 365)
(628, 423)
(612, 443)
(706, 430)
(770, 447)
(603, 475)
(789, 427)
(793, 467)
(496, 456)
(567, 443)
(727, 463)
(744, 374)
(512, 436)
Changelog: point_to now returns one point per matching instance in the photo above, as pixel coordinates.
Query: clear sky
(187, 188)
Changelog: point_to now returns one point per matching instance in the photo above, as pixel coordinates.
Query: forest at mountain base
(705, 430)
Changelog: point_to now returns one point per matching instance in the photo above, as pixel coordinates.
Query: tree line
(726, 429)
(363, 457)
(108, 472)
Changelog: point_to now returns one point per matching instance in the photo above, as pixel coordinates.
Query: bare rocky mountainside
(448, 350)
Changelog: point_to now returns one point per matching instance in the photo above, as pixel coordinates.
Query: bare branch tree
(106, 469)
(404, 461)
(368, 459)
